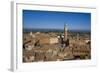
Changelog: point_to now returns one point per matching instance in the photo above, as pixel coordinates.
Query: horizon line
(59, 29)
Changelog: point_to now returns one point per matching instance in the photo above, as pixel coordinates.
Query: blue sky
(56, 20)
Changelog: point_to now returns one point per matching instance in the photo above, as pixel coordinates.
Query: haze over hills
(52, 30)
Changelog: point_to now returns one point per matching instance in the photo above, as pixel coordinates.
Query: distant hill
(52, 30)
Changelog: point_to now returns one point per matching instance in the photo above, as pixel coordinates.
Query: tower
(65, 33)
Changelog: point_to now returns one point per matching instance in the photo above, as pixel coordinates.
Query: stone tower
(65, 33)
